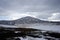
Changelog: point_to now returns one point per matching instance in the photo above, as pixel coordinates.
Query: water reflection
(50, 32)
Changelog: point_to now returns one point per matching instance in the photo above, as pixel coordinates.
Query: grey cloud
(43, 8)
(55, 16)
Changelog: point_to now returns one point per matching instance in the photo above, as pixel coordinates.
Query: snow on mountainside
(27, 20)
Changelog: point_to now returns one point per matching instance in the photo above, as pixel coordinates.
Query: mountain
(26, 20)
(23, 20)
(6, 22)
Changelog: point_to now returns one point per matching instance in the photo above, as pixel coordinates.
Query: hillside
(27, 20)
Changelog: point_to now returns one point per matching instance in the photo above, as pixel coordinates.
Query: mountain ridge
(26, 20)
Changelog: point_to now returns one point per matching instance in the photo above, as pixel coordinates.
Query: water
(44, 26)
(49, 27)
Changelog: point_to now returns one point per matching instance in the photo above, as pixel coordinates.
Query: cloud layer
(55, 16)
(39, 8)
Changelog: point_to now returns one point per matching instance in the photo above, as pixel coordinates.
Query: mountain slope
(5, 22)
(27, 20)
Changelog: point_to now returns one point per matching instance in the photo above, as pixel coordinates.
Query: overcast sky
(42, 9)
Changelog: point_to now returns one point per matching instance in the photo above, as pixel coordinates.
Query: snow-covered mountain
(27, 20)
(6, 22)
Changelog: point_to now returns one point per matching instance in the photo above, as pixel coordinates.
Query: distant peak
(28, 17)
